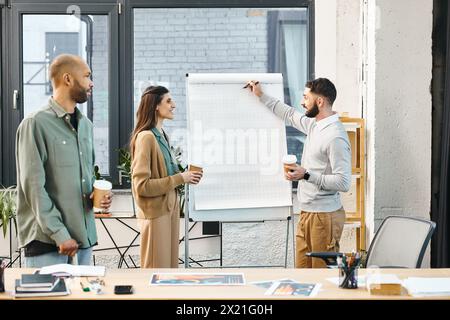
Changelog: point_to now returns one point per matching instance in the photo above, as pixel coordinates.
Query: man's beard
(78, 93)
(313, 112)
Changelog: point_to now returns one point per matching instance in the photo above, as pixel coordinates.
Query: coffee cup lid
(290, 158)
(103, 185)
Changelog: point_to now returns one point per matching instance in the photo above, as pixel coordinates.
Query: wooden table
(140, 278)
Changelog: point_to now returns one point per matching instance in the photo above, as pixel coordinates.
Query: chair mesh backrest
(399, 242)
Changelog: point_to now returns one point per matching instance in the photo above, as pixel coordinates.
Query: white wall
(400, 107)
(370, 25)
(348, 57)
(393, 42)
(403, 107)
(325, 39)
(338, 51)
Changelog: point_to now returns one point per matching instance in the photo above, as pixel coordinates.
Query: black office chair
(400, 242)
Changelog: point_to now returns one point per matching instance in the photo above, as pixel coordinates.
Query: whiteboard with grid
(239, 143)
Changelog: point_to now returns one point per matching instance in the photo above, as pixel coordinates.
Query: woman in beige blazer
(155, 177)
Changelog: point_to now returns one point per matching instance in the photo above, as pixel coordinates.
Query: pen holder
(348, 277)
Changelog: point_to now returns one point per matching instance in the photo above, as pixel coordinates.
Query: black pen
(246, 86)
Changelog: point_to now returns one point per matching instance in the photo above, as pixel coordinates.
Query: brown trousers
(317, 231)
(160, 240)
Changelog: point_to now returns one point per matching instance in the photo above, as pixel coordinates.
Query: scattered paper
(423, 287)
(74, 270)
(193, 279)
(267, 284)
(293, 289)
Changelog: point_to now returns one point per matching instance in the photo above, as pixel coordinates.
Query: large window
(47, 36)
(288, 39)
(169, 43)
(137, 43)
(55, 44)
(35, 33)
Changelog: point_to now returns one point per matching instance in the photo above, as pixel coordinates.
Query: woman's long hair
(146, 117)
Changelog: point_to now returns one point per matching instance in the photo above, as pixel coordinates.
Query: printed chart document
(425, 287)
(74, 270)
(293, 289)
(201, 279)
(268, 283)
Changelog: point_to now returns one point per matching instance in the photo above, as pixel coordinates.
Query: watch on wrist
(306, 176)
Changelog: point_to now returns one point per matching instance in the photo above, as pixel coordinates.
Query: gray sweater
(326, 156)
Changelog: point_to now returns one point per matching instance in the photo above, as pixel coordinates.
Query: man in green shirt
(55, 162)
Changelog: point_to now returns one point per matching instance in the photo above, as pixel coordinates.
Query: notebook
(22, 287)
(37, 280)
(60, 289)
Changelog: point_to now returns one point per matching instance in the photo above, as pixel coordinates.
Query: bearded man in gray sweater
(325, 168)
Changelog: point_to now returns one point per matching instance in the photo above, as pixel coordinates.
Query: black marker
(246, 86)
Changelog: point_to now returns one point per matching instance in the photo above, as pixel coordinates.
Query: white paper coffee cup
(101, 188)
(195, 168)
(288, 160)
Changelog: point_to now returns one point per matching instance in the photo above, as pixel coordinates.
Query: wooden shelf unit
(356, 132)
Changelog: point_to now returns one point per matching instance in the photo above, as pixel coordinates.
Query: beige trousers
(160, 240)
(317, 232)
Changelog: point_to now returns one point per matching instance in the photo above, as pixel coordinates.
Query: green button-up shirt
(55, 174)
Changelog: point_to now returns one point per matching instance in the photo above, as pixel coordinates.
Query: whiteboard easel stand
(289, 221)
(186, 226)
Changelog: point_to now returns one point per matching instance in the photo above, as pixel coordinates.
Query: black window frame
(2, 78)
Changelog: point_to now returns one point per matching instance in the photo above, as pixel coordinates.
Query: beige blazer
(153, 190)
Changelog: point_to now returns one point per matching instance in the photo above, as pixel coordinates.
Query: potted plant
(7, 208)
(124, 168)
(124, 165)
